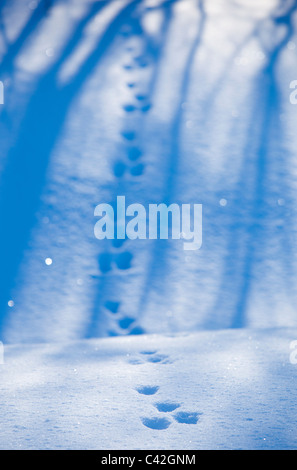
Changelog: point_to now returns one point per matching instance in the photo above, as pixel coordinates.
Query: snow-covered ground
(221, 390)
(160, 101)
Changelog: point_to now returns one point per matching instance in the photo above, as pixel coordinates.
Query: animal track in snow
(155, 357)
(147, 390)
(146, 108)
(182, 417)
(123, 260)
(119, 169)
(112, 306)
(158, 358)
(187, 417)
(105, 260)
(150, 356)
(156, 423)
(128, 67)
(148, 353)
(140, 97)
(129, 135)
(134, 153)
(141, 61)
(167, 407)
(139, 102)
(125, 322)
(137, 331)
(129, 108)
(118, 243)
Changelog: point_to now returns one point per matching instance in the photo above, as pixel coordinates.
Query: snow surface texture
(209, 390)
(173, 101)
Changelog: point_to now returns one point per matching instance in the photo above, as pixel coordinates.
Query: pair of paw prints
(163, 422)
(151, 356)
(122, 260)
(134, 153)
(120, 168)
(130, 107)
(126, 325)
(139, 102)
(140, 62)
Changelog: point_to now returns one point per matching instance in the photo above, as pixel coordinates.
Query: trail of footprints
(150, 356)
(138, 105)
(163, 422)
(125, 323)
(167, 407)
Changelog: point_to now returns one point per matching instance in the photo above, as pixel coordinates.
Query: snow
(139, 344)
(209, 390)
